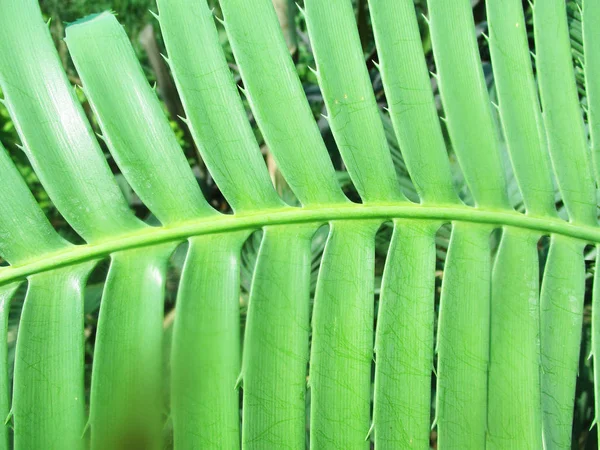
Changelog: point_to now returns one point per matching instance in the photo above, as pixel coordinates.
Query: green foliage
(382, 271)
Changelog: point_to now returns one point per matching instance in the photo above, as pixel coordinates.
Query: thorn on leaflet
(579, 9)
(594, 423)
(154, 15)
(154, 85)
(443, 119)
(49, 22)
(85, 429)
(425, 18)
(221, 21)
(486, 37)
(315, 71)
(533, 55)
(8, 417)
(166, 59)
(386, 109)
(496, 105)
(590, 356)
(325, 117)
(376, 64)
(301, 9)
(370, 432)
(243, 91)
(434, 424)
(183, 119)
(434, 75)
(20, 147)
(239, 382)
(100, 137)
(530, 3)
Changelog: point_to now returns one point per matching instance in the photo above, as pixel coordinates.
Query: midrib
(314, 214)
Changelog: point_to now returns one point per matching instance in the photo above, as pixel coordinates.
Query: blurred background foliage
(144, 33)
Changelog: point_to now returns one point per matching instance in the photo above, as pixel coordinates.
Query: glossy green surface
(561, 315)
(48, 390)
(507, 356)
(514, 409)
(404, 339)
(206, 353)
(342, 340)
(127, 385)
(276, 342)
(6, 294)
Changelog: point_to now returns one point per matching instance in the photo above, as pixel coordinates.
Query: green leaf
(126, 393)
(464, 339)
(494, 331)
(276, 341)
(470, 123)
(52, 126)
(6, 294)
(132, 121)
(561, 314)
(351, 106)
(514, 409)
(404, 339)
(205, 84)
(278, 101)
(562, 114)
(411, 103)
(342, 342)
(206, 352)
(48, 392)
